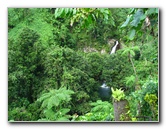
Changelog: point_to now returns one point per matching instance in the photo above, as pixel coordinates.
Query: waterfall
(104, 85)
(114, 47)
(104, 92)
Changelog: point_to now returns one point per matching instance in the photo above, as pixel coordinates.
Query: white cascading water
(114, 48)
(104, 92)
(104, 85)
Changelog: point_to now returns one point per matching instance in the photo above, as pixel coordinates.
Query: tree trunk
(137, 87)
(121, 109)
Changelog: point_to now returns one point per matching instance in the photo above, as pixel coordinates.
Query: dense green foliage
(53, 102)
(59, 57)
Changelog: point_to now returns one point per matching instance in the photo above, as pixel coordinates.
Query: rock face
(89, 49)
(103, 51)
(120, 110)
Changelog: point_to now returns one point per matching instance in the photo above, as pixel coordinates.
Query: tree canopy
(59, 57)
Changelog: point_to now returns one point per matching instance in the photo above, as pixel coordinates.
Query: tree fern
(55, 97)
(53, 101)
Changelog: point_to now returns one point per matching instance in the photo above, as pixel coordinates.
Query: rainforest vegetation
(59, 58)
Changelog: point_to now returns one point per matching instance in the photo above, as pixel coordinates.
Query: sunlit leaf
(53, 101)
(132, 10)
(132, 52)
(64, 111)
(136, 48)
(56, 13)
(50, 114)
(127, 21)
(74, 11)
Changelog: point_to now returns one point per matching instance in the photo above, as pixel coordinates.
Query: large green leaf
(127, 21)
(67, 10)
(45, 103)
(132, 10)
(138, 16)
(132, 52)
(53, 101)
(50, 114)
(126, 51)
(136, 48)
(43, 97)
(74, 11)
(57, 14)
(55, 97)
(63, 111)
(132, 34)
(152, 11)
(61, 96)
